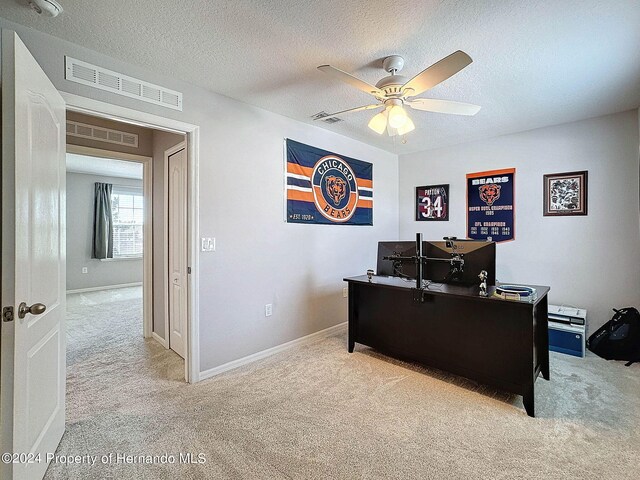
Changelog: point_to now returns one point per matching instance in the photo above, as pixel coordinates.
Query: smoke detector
(50, 8)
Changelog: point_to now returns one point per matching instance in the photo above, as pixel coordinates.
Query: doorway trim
(147, 255)
(118, 113)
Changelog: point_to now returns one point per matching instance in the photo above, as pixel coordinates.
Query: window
(128, 215)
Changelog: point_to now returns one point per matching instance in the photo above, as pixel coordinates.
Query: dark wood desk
(502, 343)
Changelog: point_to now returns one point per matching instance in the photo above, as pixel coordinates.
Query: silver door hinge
(7, 314)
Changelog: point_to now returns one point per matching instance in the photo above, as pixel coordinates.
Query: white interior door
(178, 251)
(32, 379)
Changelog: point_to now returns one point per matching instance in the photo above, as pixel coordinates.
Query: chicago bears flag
(323, 187)
(491, 205)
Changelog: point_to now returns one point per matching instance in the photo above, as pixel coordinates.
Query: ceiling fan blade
(357, 109)
(438, 72)
(351, 80)
(443, 106)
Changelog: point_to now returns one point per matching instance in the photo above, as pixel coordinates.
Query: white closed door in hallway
(32, 389)
(178, 251)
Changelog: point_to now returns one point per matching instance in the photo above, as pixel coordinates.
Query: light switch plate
(208, 244)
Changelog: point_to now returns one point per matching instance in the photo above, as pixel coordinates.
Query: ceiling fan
(394, 92)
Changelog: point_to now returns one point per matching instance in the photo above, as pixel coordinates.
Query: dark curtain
(102, 222)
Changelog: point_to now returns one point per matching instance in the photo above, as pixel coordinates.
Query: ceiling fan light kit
(394, 92)
(406, 128)
(397, 116)
(379, 122)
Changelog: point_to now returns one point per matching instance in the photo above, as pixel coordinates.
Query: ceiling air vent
(101, 134)
(324, 117)
(110, 81)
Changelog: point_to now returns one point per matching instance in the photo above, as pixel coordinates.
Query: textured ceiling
(536, 63)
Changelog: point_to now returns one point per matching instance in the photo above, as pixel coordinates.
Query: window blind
(128, 220)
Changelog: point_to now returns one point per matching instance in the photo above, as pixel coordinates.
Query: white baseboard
(105, 287)
(271, 351)
(159, 339)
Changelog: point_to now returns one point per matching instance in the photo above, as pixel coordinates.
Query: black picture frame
(432, 203)
(565, 194)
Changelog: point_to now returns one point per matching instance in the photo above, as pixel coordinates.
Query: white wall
(80, 198)
(259, 258)
(590, 261)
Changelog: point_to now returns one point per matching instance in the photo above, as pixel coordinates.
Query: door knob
(35, 309)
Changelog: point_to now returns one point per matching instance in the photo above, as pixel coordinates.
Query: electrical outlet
(268, 310)
(85, 270)
(345, 292)
(208, 244)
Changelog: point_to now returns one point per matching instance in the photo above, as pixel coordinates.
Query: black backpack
(619, 338)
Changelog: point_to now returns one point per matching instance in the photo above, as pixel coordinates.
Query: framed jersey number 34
(432, 203)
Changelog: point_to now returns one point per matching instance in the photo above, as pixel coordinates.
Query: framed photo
(432, 203)
(565, 193)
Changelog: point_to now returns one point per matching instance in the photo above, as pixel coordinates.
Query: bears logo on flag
(335, 190)
(489, 193)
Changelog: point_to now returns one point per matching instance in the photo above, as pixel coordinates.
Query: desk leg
(353, 315)
(542, 318)
(545, 367)
(529, 402)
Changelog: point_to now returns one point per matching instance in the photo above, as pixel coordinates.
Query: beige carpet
(318, 412)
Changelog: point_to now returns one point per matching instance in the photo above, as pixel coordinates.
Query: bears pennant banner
(491, 205)
(323, 187)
